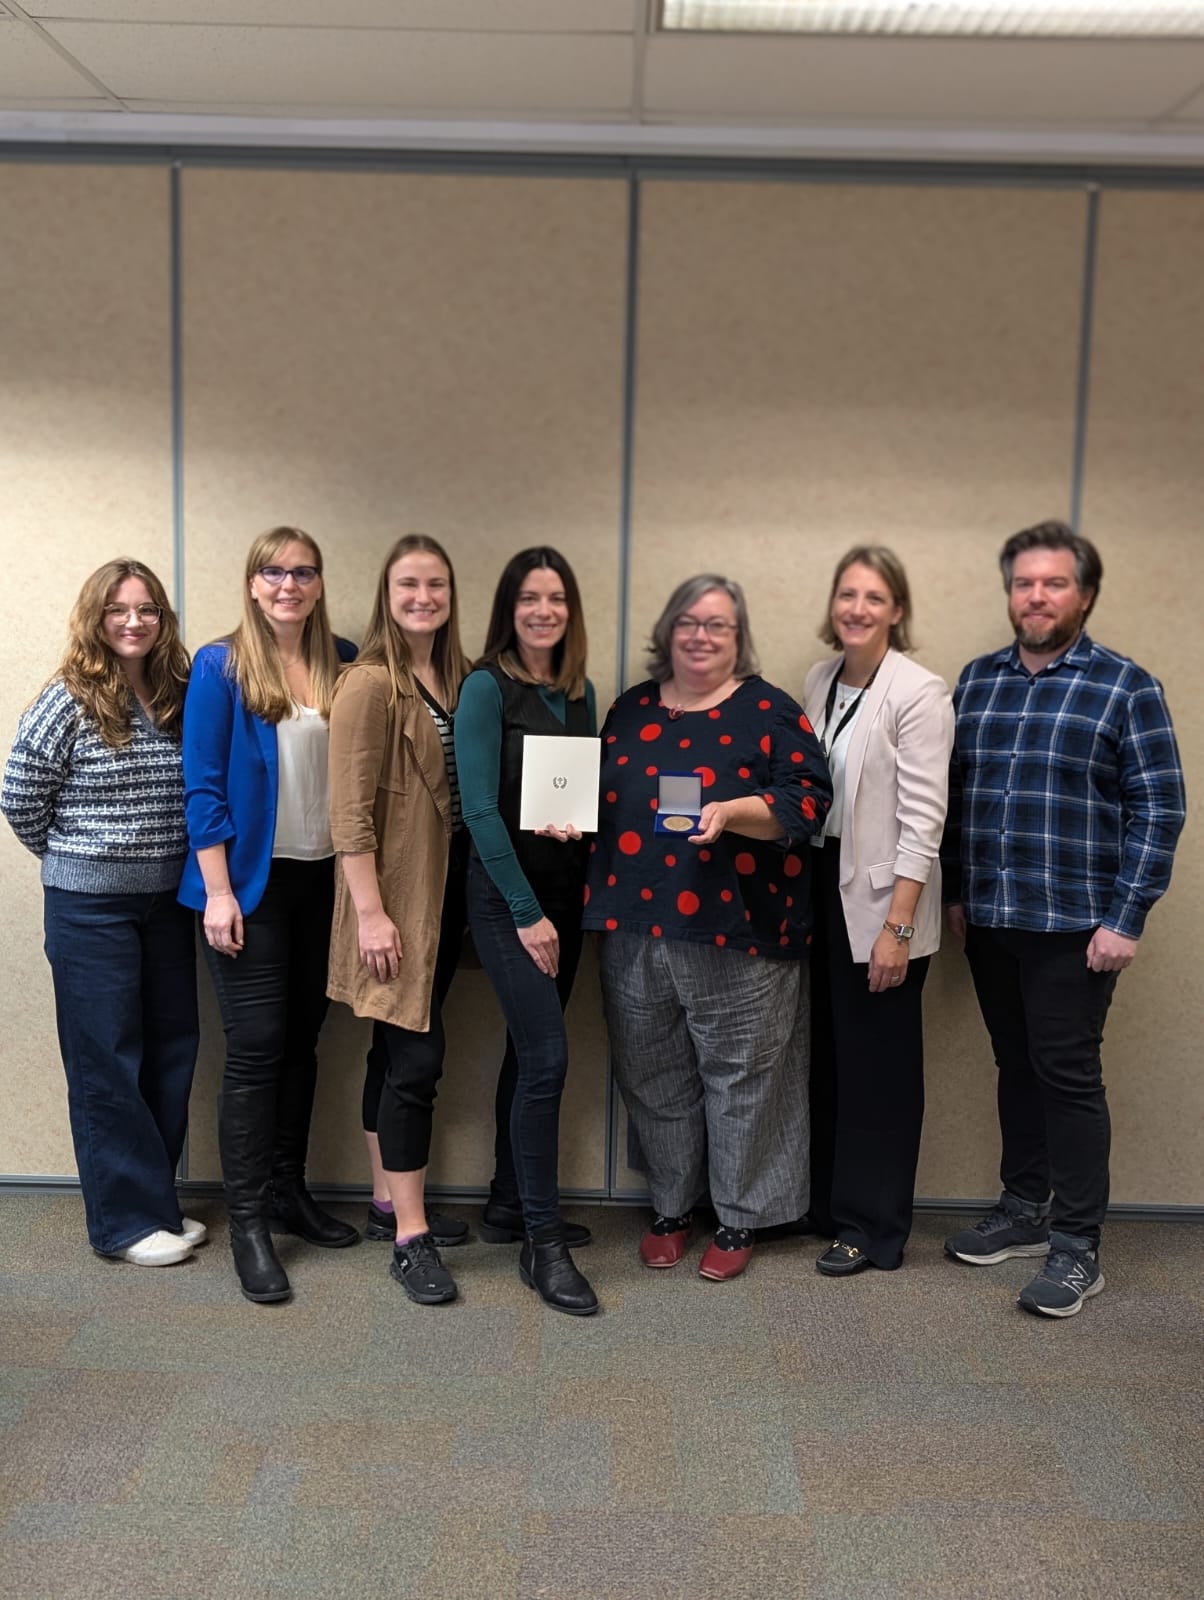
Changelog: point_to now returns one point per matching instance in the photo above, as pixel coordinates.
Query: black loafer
(842, 1260)
(447, 1232)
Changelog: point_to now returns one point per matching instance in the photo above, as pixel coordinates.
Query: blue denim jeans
(537, 1049)
(124, 969)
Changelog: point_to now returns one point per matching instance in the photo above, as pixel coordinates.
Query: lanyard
(824, 743)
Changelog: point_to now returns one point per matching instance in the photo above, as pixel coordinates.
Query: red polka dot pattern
(732, 892)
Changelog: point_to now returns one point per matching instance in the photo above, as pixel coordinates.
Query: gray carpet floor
(909, 1434)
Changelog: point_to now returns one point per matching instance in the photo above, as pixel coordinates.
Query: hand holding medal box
(560, 783)
(678, 803)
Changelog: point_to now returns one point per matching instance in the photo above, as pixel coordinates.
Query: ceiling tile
(331, 69)
(486, 16)
(1002, 81)
(31, 70)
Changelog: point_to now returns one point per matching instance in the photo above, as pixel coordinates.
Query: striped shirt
(102, 820)
(444, 722)
(1066, 793)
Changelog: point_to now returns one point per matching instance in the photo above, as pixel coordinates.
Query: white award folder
(560, 782)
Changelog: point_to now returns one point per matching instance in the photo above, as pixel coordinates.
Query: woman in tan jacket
(399, 901)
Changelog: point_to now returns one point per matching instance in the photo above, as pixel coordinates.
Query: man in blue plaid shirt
(1065, 804)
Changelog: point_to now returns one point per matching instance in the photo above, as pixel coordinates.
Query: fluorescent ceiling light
(994, 19)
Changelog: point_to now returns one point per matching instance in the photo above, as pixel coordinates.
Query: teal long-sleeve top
(478, 762)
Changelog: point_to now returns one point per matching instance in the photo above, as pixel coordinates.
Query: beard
(1045, 635)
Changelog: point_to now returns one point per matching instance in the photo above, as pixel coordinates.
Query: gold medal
(678, 824)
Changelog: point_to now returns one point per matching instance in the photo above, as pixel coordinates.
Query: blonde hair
(254, 662)
(93, 674)
(890, 569)
(385, 644)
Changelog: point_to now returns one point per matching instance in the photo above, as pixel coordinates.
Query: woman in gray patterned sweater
(93, 786)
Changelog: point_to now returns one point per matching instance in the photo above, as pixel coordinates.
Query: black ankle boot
(260, 1274)
(544, 1264)
(502, 1223)
(294, 1210)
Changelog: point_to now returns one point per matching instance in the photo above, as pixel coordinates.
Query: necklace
(706, 698)
(850, 697)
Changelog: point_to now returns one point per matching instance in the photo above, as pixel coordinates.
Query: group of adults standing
(335, 820)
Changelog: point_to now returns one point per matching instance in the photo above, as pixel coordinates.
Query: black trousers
(272, 998)
(404, 1066)
(527, 1105)
(1045, 1010)
(867, 1084)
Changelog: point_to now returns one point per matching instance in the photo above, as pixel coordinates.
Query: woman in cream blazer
(886, 725)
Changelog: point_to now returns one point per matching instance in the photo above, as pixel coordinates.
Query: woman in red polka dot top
(712, 784)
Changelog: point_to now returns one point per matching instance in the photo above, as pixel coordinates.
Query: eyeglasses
(275, 576)
(144, 613)
(713, 627)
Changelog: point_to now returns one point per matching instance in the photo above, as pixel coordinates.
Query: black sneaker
(447, 1232)
(1010, 1228)
(1070, 1276)
(419, 1271)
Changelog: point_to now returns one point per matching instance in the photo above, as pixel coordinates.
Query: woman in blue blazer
(261, 875)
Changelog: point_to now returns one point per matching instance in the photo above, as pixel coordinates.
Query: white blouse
(303, 790)
(838, 750)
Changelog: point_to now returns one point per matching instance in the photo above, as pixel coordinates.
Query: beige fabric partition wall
(85, 475)
(368, 355)
(1143, 503)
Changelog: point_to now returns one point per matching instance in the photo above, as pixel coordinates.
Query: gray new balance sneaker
(1010, 1228)
(1070, 1276)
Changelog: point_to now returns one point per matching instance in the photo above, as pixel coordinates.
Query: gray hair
(660, 660)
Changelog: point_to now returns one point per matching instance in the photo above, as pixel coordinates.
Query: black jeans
(867, 1084)
(272, 998)
(404, 1066)
(531, 1080)
(1045, 1010)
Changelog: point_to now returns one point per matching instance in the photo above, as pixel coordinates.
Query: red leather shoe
(665, 1242)
(727, 1255)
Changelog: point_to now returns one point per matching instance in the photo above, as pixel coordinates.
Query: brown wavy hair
(385, 645)
(254, 661)
(93, 674)
(501, 641)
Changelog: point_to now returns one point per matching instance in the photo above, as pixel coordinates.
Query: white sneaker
(158, 1249)
(195, 1232)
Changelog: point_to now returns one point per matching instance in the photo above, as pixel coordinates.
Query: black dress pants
(867, 1084)
(1045, 1009)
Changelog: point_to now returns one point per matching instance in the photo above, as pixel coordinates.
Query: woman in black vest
(525, 894)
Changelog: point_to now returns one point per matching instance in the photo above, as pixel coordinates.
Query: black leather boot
(293, 1208)
(245, 1120)
(502, 1223)
(544, 1264)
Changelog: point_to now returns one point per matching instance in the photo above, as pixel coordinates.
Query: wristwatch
(901, 930)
